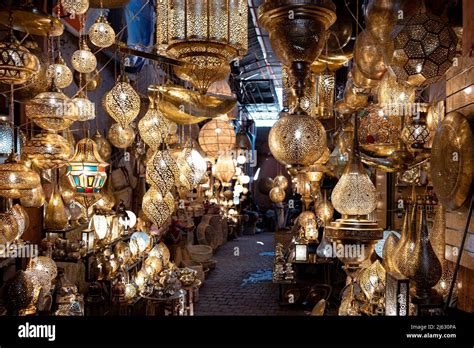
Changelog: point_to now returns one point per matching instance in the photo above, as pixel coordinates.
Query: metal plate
(31, 20)
(452, 160)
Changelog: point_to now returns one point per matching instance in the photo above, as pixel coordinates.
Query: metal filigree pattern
(154, 128)
(48, 150)
(17, 64)
(158, 207)
(122, 103)
(297, 139)
(162, 171)
(121, 136)
(216, 138)
(101, 33)
(83, 60)
(425, 47)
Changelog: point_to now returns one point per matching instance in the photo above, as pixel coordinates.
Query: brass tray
(31, 20)
(452, 160)
(185, 106)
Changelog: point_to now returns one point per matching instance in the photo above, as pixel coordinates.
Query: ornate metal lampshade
(52, 110)
(280, 181)
(122, 103)
(206, 35)
(416, 134)
(121, 136)
(162, 171)
(158, 207)
(86, 170)
(325, 92)
(154, 127)
(369, 56)
(59, 74)
(83, 60)
(394, 96)
(103, 146)
(324, 210)
(197, 164)
(85, 108)
(17, 64)
(298, 32)
(424, 49)
(6, 136)
(101, 33)
(16, 179)
(47, 150)
(75, 7)
(297, 139)
(277, 195)
(217, 137)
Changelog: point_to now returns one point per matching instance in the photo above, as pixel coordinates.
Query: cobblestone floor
(241, 283)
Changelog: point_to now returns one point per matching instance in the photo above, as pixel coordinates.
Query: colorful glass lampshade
(86, 170)
(424, 49)
(47, 150)
(101, 33)
(122, 103)
(17, 64)
(217, 137)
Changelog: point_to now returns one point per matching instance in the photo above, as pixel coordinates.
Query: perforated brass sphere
(121, 137)
(217, 137)
(59, 74)
(424, 49)
(83, 60)
(75, 7)
(45, 264)
(277, 195)
(280, 181)
(47, 150)
(297, 139)
(17, 64)
(20, 291)
(101, 33)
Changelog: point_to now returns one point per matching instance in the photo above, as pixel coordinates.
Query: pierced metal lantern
(75, 7)
(17, 64)
(101, 33)
(6, 136)
(53, 110)
(86, 170)
(280, 181)
(424, 49)
(122, 103)
(394, 96)
(16, 179)
(162, 171)
(85, 108)
(277, 194)
(83, 60)
(205, 34)
(325, 92)
(121, 136)
(59, 74)
(417, 134)
(103, 146)
(47, 150)
(369, 56)
(216, 138)
(297, 139)
(197, 164)
(158, 207)
(224, 169)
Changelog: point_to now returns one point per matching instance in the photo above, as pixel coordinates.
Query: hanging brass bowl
(452, 162)
(108, 3)
(29, 19)
(184, 106)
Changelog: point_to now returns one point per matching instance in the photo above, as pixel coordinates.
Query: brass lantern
(325, 92)
(59, 74)
(122, 103)
(83, 60)
(280, 181)
(17, 64)
(101, 33)
(297, 139)
(17, 180)
(86, 170)
(121, 136)
(205, 34)
(103, 146)
(47, 150)
(277, 194)
(157, 206)
(162, 171)
(75, 7)
(197, 165)
(216, 138)
(51, 110)
(424, 49)
(85, 108)
(369, 56)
